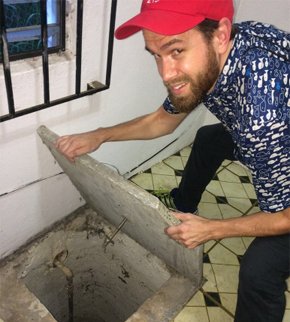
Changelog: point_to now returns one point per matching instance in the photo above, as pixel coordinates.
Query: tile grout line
(216, 302)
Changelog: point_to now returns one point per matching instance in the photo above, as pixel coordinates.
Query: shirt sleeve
(169, 108)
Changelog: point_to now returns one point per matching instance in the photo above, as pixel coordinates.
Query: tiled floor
(229, 194)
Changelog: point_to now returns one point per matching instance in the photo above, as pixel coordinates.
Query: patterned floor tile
(244, 179)
(215, 188)
(241, 204)
(216, 314)
(227, 176)
(226, 163)
(175, 162)
(210, 285)
(235, 244)
(209, 210)
(286, 316)
(184, 161)
(164, 182)
(288, 283)
(185, 152)
(221, 255)
(233, 190)
(221, 168)
(197, 300)
(287, 294)
(178, 172)
(250, 190)
(229, 301)
(178, 179)
(221, 200)
(254, 202)
(240, 258)
(192, 314)
(209, 245)
(212, 299)
(215, 177)
(247, 241)
(253, 210)
(237, 169)
(208, 197)
(226, 277)
(161, 168)
(228, 211)
(206, 259)
(144, 180)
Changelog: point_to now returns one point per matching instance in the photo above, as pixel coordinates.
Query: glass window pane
(23, 25)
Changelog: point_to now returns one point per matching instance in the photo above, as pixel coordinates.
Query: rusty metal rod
(70, 286)
(109, 239)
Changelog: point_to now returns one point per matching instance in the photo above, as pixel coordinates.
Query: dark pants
(212, 145)
(266, 264)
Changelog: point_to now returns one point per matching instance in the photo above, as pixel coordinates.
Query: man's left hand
(193, 231)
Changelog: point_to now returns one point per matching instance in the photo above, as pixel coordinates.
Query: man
(242, 74)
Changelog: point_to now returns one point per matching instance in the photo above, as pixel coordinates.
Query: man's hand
(72, 146)
(193, 230)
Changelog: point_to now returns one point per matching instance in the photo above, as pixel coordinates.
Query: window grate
(23, 27)
(92, 88)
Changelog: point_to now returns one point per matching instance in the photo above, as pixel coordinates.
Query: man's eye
(156, 56)
(177, 51)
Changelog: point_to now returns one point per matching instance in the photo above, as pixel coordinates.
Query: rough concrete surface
(18, 304)
(166, 302)
(123, 283)
(116, 198)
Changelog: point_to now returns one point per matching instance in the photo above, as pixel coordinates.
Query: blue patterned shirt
(252, 100)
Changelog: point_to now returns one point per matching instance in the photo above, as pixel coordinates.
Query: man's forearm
(146, 127)
(195, 230)
(258, 224)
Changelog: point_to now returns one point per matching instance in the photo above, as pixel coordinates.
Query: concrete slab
(116, 198)
(124, 283)
(164, 304)
(18, 304)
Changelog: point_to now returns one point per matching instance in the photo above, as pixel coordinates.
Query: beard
(199, 88)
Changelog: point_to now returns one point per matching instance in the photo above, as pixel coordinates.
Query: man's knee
(206, 134)
(249, 274)
(258, 273)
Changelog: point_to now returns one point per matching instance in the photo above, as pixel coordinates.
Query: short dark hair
(208, 26)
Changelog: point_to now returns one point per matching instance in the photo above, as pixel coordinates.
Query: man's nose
(167, 70)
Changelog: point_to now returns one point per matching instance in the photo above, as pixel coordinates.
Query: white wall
(276, 12)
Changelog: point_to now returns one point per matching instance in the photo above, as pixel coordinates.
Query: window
(23, 27)
(49, 34)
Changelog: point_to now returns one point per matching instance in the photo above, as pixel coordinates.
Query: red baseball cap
(172, 17)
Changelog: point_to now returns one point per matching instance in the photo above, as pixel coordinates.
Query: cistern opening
(86, 282)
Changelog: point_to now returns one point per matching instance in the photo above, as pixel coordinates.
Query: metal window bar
(92, 88)
(43, 15)
(34, 33)
(6, 62)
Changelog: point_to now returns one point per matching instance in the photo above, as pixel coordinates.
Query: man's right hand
(72, 146)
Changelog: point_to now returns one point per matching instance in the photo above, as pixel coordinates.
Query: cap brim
(161, 22)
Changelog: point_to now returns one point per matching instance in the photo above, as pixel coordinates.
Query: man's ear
(222, 35)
